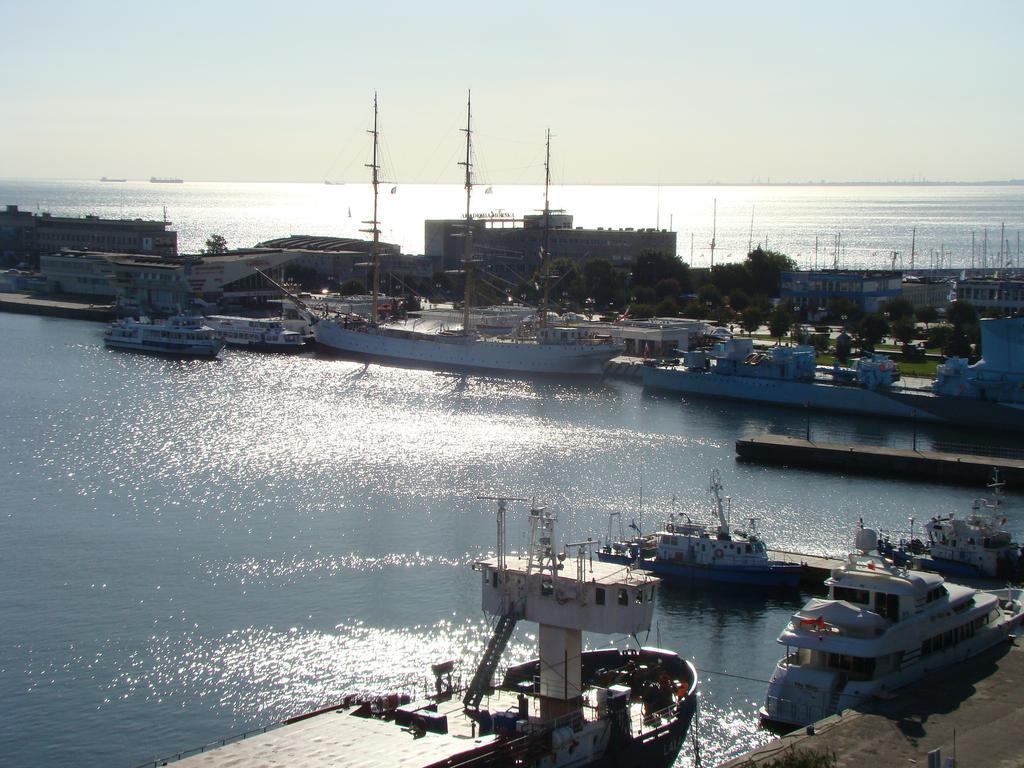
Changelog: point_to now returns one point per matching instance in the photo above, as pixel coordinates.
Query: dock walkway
(25, 304)
(816, 568)
(936, 466)
(974, 712)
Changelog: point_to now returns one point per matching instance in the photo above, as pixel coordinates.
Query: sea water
(193, 549)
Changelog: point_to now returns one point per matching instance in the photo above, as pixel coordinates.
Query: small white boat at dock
(263, 334)
(178, 336)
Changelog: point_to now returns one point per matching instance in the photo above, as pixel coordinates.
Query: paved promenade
(27, 304)
(974, 712)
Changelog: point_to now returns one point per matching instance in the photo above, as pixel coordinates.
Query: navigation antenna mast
(374, 225)
(467, 253)
(750, 239)
(913, 247)
(1002, 257)
(545, 261)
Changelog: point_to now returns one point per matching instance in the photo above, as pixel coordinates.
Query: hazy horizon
(666, 93)
(354, 181)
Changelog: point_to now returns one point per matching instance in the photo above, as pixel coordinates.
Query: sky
(633, 93)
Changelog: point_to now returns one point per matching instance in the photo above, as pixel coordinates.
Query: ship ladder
(489, 662)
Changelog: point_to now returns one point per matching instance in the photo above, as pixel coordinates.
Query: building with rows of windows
(25, 236)
(1004, 295)
(869, 290)
(510, 248)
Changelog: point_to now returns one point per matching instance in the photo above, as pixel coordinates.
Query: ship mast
(545, 260)
(467, 254)
(375, 225)
(714, 229)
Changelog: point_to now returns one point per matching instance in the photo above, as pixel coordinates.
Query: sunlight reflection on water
(193, 549)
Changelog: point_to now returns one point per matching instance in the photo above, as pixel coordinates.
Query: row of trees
(659, 284)
(960, 335)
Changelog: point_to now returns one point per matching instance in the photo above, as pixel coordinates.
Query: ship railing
(792, 660)
(788, 710)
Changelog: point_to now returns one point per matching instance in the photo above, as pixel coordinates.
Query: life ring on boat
(719, 554)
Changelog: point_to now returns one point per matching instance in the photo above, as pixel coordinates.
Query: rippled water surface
(191, 549)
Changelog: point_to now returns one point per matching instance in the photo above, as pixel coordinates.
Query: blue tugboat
(688, 551)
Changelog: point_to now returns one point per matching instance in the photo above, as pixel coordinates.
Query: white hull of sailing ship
(460, 351)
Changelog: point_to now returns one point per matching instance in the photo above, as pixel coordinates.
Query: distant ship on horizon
(104, 178)
(158, 180)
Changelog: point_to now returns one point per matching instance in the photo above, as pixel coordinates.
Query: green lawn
(924, 368)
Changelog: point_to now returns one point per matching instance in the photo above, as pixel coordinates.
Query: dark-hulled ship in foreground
(614, 707)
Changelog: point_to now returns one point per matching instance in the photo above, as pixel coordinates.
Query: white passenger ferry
(178, 336)
(882, 627)
(264, 334)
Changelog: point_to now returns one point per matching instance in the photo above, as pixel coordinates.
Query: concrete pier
(973, 712)
(816, 568)
(934, 466)
(25, 304)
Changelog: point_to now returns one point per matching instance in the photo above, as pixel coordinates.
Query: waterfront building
(152, 284)
(337, 259)
(928, 292)
(25, 236)
(20, 281)
(78, 273)
(868, 290)
(658, 336)
(510, 247)
(1002, 295)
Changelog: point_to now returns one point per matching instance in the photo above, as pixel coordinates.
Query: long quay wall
(905, 463)
(72, 310)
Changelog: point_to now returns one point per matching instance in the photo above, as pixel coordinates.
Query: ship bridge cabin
(566, 595)
(886, 591)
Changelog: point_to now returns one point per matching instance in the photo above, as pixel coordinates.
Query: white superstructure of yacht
(881, 628)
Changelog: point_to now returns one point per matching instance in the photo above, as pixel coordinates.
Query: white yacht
(263, 334)
(881, 628)
(178, 336)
